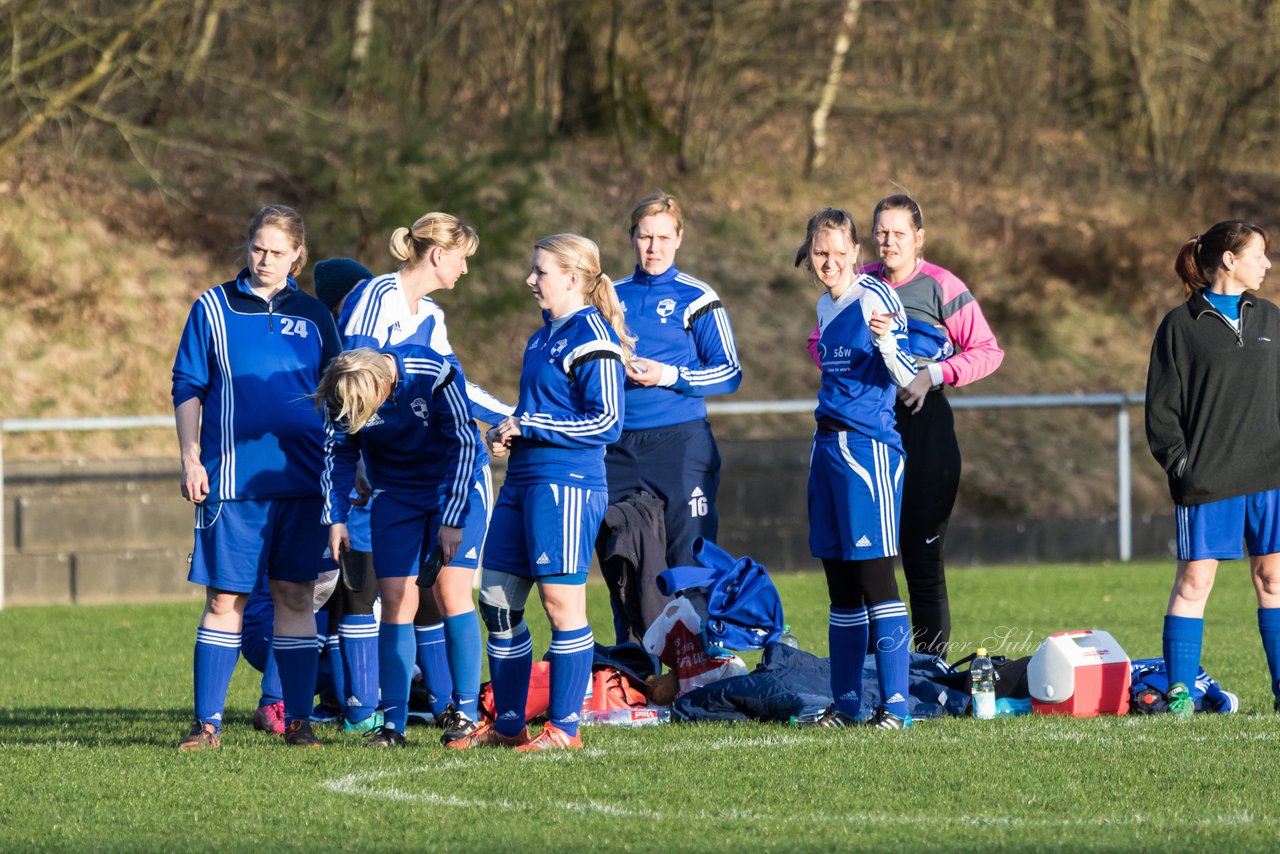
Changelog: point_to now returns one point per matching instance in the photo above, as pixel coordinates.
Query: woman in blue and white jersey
(252, 350)
(406, 409)
(397, 308)
(555, 493)
(855, 470)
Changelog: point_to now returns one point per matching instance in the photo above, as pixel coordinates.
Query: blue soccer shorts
(855, 497)
(238, 541)
(545, 532)
(1222, 530)
(401, 525)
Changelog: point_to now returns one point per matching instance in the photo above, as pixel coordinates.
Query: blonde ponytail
(577, 253)
(435, 229)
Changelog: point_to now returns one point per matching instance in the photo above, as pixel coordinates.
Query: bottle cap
(982, 650)
(786, 627)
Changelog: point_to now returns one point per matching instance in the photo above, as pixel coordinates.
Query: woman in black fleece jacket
(1213, 424)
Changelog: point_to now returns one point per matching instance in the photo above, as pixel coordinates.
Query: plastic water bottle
(983, 685)
(788, 639)
(650, 716)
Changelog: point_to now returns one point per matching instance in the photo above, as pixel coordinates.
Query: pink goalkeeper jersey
(936, 296)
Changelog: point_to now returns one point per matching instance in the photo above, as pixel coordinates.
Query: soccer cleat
(456, 725)
(299, 734)
(366, 726)
(551, 738)
(324, 713)
(1180, 703)
(202, 737)
(829, 719)
(484, 735)
(270, 718)
(384, 737)
(885, 719)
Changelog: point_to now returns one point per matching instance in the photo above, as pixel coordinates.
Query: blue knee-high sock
(891, 637)
(215, 660)
(510, 664)
(395, 666)
(571, 654)
(336, 677)
(1181, 640)
(1269, 627)
(462, 643)
(847, 634)
(434, 662)
(359, 633)
(272, 691)
(297, 659)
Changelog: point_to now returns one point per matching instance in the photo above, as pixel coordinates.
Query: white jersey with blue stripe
(421, 444)
(680, 321)
(860, 372)
(253, 365)
(570, 402)
(378, 316)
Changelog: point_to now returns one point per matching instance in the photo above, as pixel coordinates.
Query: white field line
(366, 784)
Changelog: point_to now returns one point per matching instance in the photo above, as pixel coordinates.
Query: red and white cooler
(1082, 674)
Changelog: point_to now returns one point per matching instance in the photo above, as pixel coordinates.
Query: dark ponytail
(1200, 258)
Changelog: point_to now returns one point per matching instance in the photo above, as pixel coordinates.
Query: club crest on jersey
(420, 409)
(558, 347)
(666, 308)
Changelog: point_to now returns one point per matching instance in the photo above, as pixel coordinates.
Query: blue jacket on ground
(744, 609)
(791, 682)
(421, 443)
(253, 364)
(680, 321)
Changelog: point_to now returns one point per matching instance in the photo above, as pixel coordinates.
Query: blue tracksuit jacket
(570, 403)
(677, 320)
(252, 364)
(421, 444)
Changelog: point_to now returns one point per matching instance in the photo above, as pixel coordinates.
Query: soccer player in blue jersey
(406, 409)
(395, 308)
(855, 472)
(251, 446)
(554, 496)
(1213, 391)
(351, 639)
(685, 353)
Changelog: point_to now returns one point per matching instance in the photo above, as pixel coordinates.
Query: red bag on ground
(539, 694)
(610, 689)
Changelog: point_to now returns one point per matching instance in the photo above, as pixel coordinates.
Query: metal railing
(1120, 402)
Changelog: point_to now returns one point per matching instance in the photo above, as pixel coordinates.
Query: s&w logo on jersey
(666, 308)
(420, 409)
(558, 347)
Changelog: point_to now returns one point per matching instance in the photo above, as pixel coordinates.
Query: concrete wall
(88, 533)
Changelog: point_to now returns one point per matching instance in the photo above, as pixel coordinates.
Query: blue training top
(677, 320)
(421, 443)
(253, 364)
(570, 402)
(859, 373)
(378, 315)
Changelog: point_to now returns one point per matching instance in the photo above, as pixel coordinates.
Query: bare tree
(817, 149)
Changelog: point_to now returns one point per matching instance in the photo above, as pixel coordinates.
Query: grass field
(93, 699)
